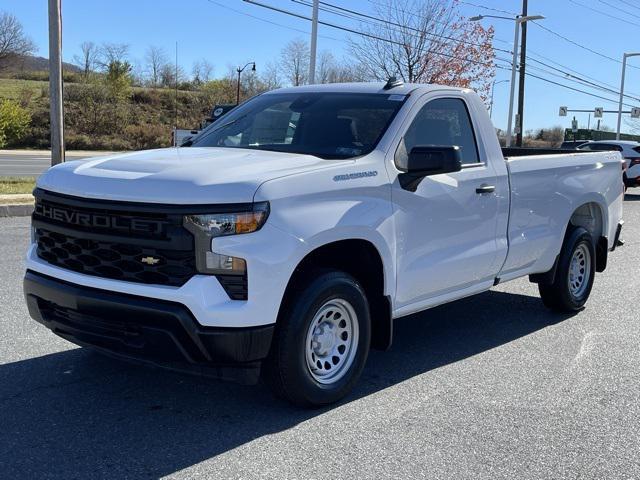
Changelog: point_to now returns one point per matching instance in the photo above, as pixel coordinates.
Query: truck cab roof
(364, 87)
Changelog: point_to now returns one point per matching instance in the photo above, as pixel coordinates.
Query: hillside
(96, 118)
(29, 63)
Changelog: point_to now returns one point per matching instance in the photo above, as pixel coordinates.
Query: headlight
(220, 224)
(206, 227)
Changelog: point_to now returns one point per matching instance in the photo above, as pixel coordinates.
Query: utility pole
(523, 58)
(55, 82)
(314, 42)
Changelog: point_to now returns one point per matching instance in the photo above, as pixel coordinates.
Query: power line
(600, 12)
(376, 37)
(533, 53)
(240, 12)
(575, 89)
(595, 52)
(364, 34)
(353, 14)
(584, 81)
(629, 4)
(490, 9)
(617, 8)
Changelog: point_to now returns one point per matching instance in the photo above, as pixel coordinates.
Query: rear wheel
(575, 273)
(321, 342)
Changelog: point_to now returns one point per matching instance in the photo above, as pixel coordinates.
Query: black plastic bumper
(146, 330)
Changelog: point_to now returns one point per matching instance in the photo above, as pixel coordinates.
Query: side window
(444, 121)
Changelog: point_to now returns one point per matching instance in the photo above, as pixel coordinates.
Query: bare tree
(330, 70)
(13, 41)
(270, 76)
(295, 61)
(426, 41)
(202, 71)
(113, 52)
(168, 75)
(87, 60)
(155, 59)
(326, 66)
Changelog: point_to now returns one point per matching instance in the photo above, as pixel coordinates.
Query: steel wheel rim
(579, 270)
(332, 341)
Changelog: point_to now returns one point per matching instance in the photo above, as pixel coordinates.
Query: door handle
(484, 188)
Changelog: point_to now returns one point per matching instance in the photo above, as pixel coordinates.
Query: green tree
(118, 79)
(14, 121)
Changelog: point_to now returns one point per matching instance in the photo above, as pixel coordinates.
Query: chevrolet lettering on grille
(95, 220)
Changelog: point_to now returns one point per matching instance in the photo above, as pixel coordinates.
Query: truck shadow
(76, 414)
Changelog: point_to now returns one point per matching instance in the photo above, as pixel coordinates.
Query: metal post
(314, 42)
(493, 87)
(523, 58)
(55, 82)
(513, 81)
(624, 67)
(238, 89)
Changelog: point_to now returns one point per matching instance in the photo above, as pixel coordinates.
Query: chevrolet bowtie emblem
(150, 260)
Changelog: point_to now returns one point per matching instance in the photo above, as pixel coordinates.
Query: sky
(229, 33)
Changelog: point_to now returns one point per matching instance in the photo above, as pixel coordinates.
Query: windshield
(327, 125)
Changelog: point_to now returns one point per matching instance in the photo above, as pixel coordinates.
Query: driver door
(446, 229)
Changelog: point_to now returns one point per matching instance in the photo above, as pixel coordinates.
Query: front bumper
(147, 330)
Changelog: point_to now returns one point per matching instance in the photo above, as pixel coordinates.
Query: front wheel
(321, 342)
(574, 274)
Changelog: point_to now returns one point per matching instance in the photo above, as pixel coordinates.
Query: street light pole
(624, 67)
(240, 70)
(518, 20)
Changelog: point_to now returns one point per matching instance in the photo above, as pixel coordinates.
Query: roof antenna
(392, 83)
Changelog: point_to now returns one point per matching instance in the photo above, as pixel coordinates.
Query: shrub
(142, 137)
(14, 121)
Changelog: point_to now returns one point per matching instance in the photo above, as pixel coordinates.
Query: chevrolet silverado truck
(284, 241)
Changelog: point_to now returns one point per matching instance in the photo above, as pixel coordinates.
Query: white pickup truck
(287, 239)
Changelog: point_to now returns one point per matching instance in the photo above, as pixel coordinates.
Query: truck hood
(177, 176)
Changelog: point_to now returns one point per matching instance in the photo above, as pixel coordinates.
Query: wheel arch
(361, 259)
(592, 217)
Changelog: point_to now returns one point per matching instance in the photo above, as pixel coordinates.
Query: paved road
(492, 387)
(28, 165)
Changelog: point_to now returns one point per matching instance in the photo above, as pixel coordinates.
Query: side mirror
(429, 160)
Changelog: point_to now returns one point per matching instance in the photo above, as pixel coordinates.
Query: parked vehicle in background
(180, 136)
(289, 237)
(216, 112)
(572, 144)
(629, 150)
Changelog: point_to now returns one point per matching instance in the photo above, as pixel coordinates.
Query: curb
(16, 210)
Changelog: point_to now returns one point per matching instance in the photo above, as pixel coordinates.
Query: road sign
(598, 112)
(635, 112)
(563, 111)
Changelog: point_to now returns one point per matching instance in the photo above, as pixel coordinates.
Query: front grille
(122, 241)
(119, 261)
(135, 242)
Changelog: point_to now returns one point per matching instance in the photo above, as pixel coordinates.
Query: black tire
(287, 369)
(558, 295)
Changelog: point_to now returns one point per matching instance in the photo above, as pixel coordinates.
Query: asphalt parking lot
(493, 386)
